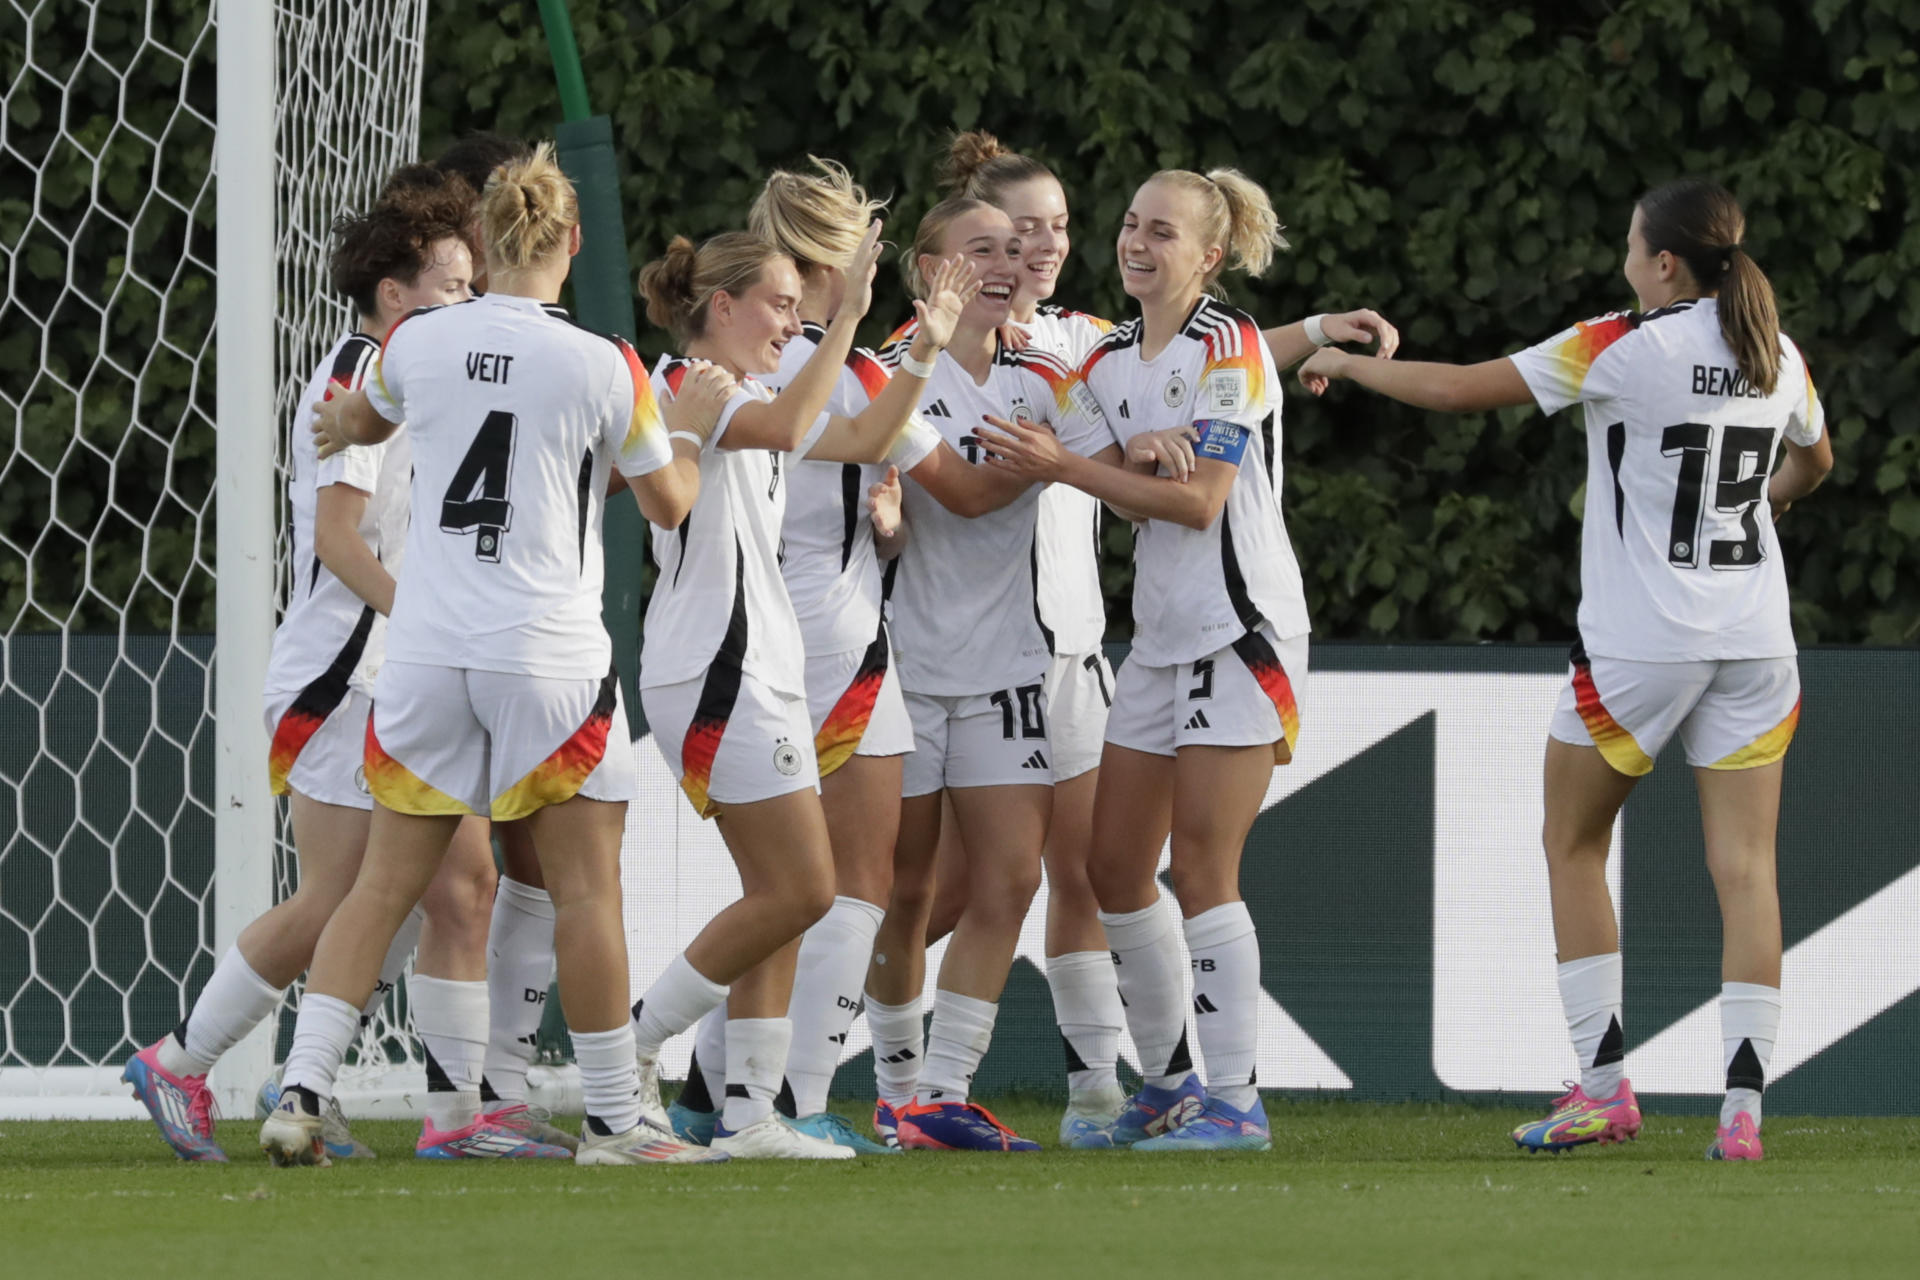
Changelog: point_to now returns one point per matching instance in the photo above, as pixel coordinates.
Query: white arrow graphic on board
(1871, 943)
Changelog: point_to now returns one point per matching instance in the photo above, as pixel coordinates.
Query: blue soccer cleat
(692, 1126)
(1154, 1111)
(839, 1130)
(886, 1122)
(958, 1126)
(1218, 1127)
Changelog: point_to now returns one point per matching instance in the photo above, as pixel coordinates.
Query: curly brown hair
(394, 239)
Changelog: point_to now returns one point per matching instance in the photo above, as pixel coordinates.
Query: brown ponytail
(1700, 223)
(979, 166)
(680, 284)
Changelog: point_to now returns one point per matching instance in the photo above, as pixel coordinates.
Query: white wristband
(689, 437)
(918, 368)
(1316, 332)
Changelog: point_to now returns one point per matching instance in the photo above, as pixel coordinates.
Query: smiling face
(752, 327)
(984, 236)
(1038, 210)
(447, 277)
(1163, 255)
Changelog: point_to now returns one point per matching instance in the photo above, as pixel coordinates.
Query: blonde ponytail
(527, 211)
(1235, 214)
(817, 219)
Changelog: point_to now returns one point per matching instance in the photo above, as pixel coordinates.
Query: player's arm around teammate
(498, 695)
(1681, 630)
(1207, 702)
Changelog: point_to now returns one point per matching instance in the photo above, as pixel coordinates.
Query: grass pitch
(1348, 1190)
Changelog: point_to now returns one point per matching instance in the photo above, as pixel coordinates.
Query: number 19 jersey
(516, 416)
(1678, 559)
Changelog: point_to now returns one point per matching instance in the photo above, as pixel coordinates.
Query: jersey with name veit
(1678, 558)
(719, 601)
(517, 415)
(327, 630)
(1196, 591)
(966, 610)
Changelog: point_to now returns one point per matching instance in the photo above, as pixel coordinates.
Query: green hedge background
(1468, 170)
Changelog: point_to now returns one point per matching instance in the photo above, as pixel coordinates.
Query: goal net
(111, 823)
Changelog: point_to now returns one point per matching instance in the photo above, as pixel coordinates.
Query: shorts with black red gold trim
(1736, 713)
(732, 740)
(448, 740)
(854, 702)
(318, 751)
(979, 740)
(1245, 695)
(1079, 695)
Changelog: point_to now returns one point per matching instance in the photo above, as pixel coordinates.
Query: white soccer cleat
(653, 1112)
(642, 1144)
(774, 1139)
(293, 1133)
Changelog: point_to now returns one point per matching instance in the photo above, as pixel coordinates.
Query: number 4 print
(1745, 455)
(476, 500)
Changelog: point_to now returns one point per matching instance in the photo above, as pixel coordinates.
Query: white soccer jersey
(517, 415)
(719, 600)
(1195, 591)
(828, 561)
(966, 613)
(330, 639)
(1071, 601)
(1678, 559)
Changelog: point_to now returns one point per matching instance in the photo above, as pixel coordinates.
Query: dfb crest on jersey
(1176, 391)
(1020, 412)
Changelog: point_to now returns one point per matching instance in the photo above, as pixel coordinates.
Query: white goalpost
(202, 154)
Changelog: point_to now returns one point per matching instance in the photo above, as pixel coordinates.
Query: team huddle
(873, 656)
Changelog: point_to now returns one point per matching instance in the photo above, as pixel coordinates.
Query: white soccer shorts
(317, 749)
(1245, 695)
(732, 740)
(1732, 714)
(1079, 693)
(979, 740)
(449, 740)
(854, 701)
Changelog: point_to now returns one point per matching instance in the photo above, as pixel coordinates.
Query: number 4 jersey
(1678, 559)
(516, 416)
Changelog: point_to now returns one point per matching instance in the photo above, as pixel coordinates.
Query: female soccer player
(1683, 623)
(349, 518)
(974, 649)
(497, 695)
(1207, 703)
(723, 669)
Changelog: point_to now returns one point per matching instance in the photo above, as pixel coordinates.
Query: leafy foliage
(1468, 171)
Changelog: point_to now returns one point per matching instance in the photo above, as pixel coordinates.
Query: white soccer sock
(710, 1053)
(325, 1030)
(677, 999)
(1086, 1005)
(234, 1002)
(1749, 1025)
(827, 985)
(1590, 994)
(519, 975)
(451, 1020)
(398, 953)
(897, 1031)
(962, 1028)
(1146, 964)
(756, 1060)
(1226, 1000)
(609, 1086)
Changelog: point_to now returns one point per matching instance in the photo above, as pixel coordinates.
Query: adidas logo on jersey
(938, 409)
(1034, 761)
(1198, 720)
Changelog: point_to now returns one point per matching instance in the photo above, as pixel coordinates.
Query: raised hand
(883, 504)
(1362, 326)
(329, 416)
(860, 271)
(1171, 448)
(955, 283)
(1022, 448)
(704, 392)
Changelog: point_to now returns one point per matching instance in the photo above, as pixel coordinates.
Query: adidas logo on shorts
(1034, 761)
(1198, 720)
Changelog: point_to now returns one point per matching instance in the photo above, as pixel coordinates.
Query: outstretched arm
(1448, 388)
(1291, 343)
